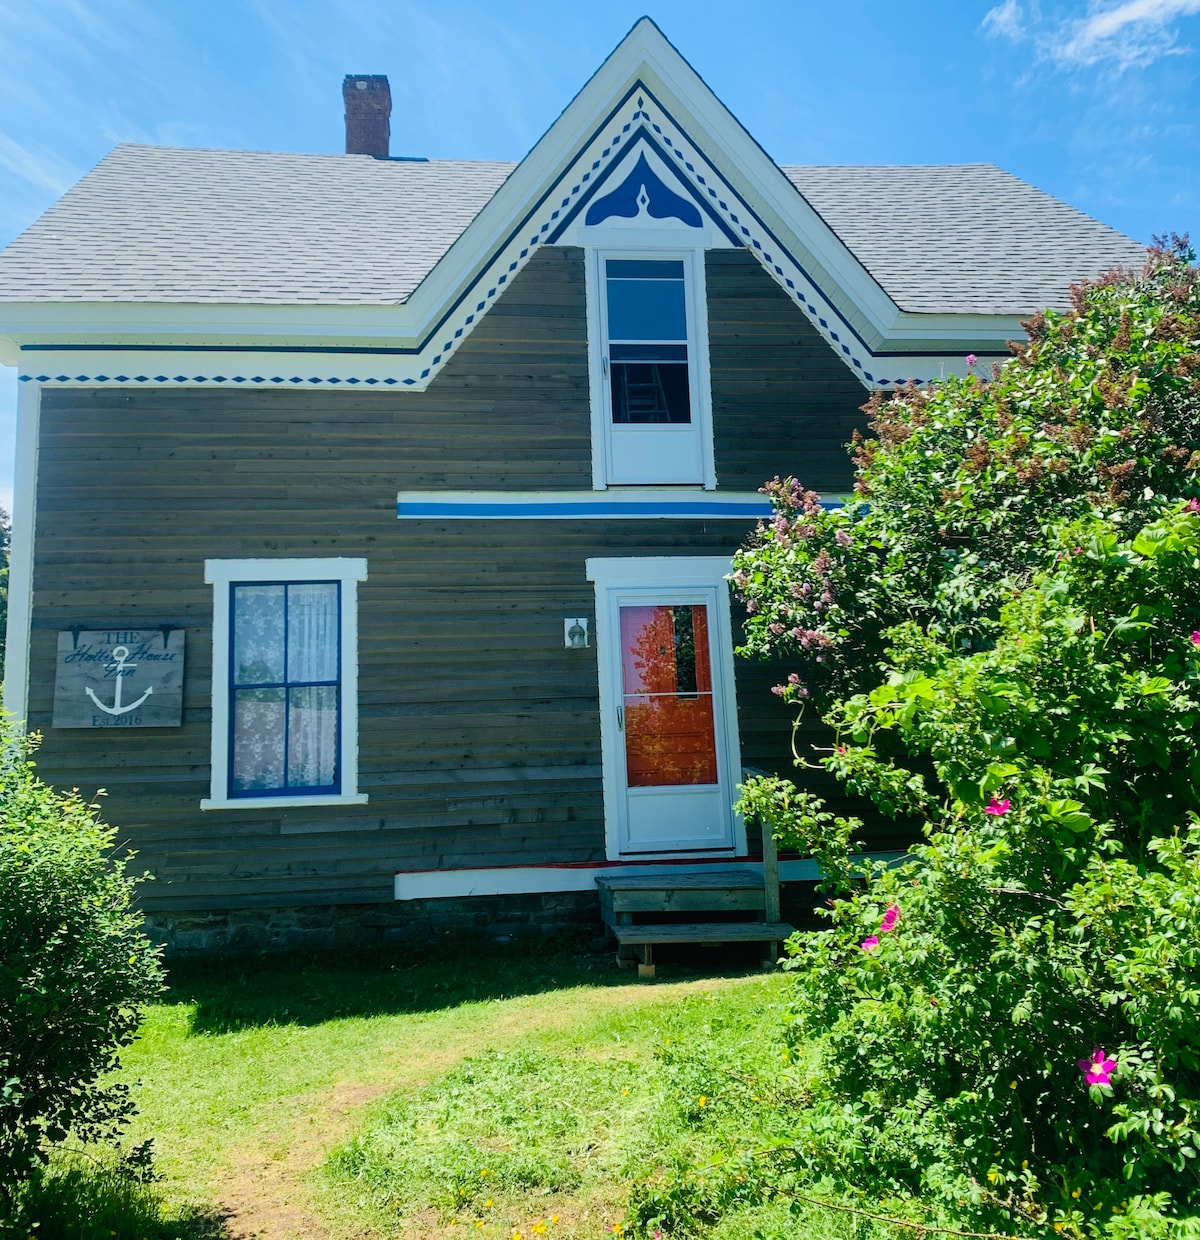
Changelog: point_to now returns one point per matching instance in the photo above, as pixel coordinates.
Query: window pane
(312, 737)
(650, 392)
(312, 631)
(646, 310)
(647, 353)
(258, 739)
(257, 635)
(644, 269)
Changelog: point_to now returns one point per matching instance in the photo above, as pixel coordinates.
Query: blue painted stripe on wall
(600, 508)
(616, 508)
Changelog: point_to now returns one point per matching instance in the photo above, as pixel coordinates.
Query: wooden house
(373, 513)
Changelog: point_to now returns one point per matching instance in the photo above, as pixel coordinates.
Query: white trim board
(535, 880)
(221, 574)
(20, 571)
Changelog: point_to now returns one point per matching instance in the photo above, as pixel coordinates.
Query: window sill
(341, 798)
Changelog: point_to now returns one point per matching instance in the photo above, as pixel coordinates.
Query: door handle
(620, 718)
(604, 366)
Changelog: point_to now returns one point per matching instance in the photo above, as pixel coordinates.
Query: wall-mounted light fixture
(575, 633)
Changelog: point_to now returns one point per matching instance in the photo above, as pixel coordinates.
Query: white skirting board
(544, 879)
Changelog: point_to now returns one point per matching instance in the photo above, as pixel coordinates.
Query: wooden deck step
(708, 879)
(724, 890)
(705, 932)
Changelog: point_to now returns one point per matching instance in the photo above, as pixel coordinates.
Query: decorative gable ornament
(643, 197)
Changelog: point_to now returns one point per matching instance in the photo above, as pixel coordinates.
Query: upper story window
(651, 416)
(285, 682)
(646, 317)
(645, 236)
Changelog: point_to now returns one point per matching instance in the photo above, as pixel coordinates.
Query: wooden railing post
(770, 873)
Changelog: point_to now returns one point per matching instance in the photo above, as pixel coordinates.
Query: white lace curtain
(285, 670)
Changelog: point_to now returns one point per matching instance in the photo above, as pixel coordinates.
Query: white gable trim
(645, 94)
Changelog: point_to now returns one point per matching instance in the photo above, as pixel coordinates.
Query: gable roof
(160, 224)
(965, 238)
(240, 253)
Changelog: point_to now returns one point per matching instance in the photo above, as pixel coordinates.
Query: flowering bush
(1004, 633)
(1099, 412)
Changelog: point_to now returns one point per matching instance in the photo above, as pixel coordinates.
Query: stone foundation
(363, 925)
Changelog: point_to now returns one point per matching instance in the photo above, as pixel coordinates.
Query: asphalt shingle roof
(160, 224)
(967, 237)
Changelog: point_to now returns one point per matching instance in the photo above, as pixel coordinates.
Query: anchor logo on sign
(121, 667)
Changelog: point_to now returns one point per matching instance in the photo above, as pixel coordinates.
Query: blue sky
(1095, 101)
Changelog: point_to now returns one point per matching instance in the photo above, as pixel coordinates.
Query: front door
(669, 735)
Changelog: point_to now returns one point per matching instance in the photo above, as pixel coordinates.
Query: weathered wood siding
(783, 402)
(479, 733)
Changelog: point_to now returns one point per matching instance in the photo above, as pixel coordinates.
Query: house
(373, 513)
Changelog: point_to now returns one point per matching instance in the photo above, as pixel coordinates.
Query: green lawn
(478, 1091)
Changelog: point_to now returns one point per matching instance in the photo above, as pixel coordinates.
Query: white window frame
(222, 575)
(657, 244)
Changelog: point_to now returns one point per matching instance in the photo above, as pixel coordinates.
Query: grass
(488, 1090)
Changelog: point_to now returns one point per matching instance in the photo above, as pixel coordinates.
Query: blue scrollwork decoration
(642, 191)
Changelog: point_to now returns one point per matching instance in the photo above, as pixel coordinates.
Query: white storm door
(667, 724)
(655, 425)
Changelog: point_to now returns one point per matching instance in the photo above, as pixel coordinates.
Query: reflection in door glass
(666, 673)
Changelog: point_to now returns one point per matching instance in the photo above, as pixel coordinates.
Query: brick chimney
(368, 100)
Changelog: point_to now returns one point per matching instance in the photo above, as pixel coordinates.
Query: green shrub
(75, 972)
(1005, 636)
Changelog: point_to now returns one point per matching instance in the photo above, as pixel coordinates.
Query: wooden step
(725, 890)
(705, 932)
(707, 879)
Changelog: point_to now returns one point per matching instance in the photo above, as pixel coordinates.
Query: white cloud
(1005, 20)
(43, 169)
(1131, 33)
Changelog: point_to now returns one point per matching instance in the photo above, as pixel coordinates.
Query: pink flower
(997, 807)
(1193, 505)
(1196, 638)
(971, 359)
(1097, 1070)
(869, 944)
(890, 918)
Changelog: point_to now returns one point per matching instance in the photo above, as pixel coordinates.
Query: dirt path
(265, 1186)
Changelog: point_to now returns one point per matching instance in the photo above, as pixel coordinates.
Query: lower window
(284, 681)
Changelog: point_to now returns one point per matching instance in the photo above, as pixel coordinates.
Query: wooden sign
(119, 678)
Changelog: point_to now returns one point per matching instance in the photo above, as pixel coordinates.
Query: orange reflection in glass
(666, 674)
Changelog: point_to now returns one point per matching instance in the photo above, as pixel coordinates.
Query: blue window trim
(232, 686)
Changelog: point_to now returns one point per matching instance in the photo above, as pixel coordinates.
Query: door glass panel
(667, 697)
